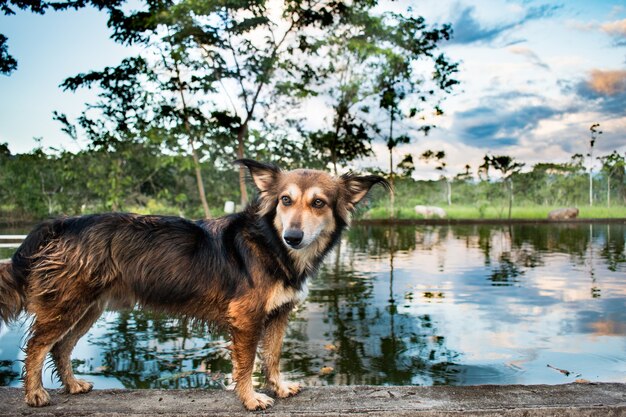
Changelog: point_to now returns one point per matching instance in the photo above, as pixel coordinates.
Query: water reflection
(405, 305)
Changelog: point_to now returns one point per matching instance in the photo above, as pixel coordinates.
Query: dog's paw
(287, 389)
(258, 401)
(78, 386)
(38, 398)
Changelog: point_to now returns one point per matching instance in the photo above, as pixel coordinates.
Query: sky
(535, 75)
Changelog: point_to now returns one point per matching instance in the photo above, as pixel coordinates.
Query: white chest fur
(281, 295)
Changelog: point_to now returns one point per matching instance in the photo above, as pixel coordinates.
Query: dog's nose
(293, 237)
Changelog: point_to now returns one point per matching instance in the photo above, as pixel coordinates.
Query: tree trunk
(608, 191)
(392, 198)
(194, 154)
(590, 187)
(201, 192)
(115, 206)
(333, 150)
(241, 137)
(510, 196)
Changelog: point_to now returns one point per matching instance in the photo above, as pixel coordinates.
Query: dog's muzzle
(293, 237)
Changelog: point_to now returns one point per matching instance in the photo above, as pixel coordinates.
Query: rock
(430, 211)
(563, 213)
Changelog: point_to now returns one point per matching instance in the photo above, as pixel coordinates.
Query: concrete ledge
(571, 400)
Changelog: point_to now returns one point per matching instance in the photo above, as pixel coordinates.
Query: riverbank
(480, 213)
(455, 213)
(439, 222)
(571, 400)
(21, 228)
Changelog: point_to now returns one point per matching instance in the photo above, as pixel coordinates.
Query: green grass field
(523, 212)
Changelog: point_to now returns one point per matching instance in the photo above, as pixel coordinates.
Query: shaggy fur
(242, 272)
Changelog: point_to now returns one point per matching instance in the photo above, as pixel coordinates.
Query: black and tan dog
(244, 272)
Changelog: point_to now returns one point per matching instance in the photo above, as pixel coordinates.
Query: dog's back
(158, 261)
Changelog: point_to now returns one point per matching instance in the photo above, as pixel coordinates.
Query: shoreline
(445, 222)
(410, 222)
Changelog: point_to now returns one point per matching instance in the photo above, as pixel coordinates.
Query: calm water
(423, 305)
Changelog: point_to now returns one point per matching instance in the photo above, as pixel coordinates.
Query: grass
(380, 211)
(491, 212)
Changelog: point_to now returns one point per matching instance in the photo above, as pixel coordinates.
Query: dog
(244, 272)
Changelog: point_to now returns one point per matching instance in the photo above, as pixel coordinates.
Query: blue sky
(535, 75)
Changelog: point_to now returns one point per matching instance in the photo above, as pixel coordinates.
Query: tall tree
(182, 121)
(440, 159)
(594, 133)
(613, 166)
(116, 126)
(508, 167)
(253, 50)
(404, 93)
(344, 80)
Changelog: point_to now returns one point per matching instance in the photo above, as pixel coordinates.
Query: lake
(424, 305)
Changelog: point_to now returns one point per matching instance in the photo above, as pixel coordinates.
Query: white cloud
(608, 82)
(616, 28)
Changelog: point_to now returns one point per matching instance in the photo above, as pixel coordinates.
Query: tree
(406, 166)
(117, 128)
(594, 136)
(465, 175)
(613, 166)
(8, 64)
(344, 76)
(182, 123)
(439, 157)
(507, 167)
(253, 51)
(250, 68)
(347, 143)
(402, 90)
(212, 51)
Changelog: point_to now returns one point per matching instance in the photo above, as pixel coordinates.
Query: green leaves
(8, 64)
(504, 163)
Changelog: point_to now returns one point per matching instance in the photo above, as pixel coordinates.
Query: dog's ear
(356, 187)
(263, 175)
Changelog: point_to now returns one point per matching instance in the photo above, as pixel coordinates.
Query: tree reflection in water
(402, 305)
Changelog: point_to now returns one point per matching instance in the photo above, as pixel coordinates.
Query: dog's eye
(286, 200)
(317, 203)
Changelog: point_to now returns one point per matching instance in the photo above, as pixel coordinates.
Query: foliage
(370, 81)
(218, 80)
(440, 158)
(613, 170)
(508, 167)
(8, 64)
(139, 177)
(133, 177)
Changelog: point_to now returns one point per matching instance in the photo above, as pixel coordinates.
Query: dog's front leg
(244, 344)
(271, 347)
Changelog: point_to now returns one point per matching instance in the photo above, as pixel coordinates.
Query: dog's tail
(12, 295)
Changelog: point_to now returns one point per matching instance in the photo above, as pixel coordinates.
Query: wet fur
(235, 272)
